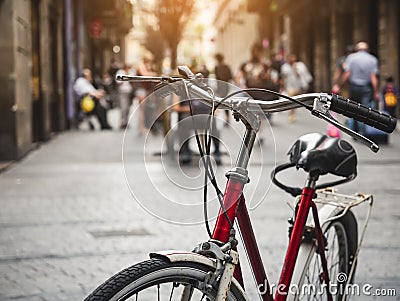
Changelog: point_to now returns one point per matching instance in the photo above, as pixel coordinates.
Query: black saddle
(322, 154)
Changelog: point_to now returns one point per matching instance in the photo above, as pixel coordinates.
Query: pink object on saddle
(333, 131)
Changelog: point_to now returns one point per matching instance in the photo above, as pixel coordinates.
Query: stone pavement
(68, 219)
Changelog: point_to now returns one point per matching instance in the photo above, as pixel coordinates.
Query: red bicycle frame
(235, 208)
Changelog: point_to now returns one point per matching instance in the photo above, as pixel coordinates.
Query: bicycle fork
(227, 258)
(226, 278)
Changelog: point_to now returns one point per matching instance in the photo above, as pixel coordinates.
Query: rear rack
(329, 196)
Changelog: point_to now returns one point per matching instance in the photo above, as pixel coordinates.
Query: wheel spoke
(336, 255)
(172, 291)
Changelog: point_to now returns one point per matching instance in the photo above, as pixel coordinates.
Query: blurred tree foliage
(173, 15)
(155, 43)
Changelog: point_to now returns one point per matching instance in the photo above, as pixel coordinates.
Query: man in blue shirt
(361, 69)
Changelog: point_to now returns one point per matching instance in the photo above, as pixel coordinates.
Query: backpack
(87, 104)
(390, 98)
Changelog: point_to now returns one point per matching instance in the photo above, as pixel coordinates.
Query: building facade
(45, 46)
(237, 30)
(318, 31)
(32, 98)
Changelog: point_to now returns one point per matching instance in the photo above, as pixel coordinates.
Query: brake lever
(321, 110)
(197, 79)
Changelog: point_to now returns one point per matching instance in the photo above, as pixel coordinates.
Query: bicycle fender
(325, 213)
(177, 256)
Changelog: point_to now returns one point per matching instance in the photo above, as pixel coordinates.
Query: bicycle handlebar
(332, 102)
(235, 102)
(338, 104)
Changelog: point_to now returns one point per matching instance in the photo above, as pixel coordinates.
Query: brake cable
(209, 172)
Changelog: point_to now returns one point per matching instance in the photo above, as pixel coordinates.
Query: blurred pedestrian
(255, 73)
(125, 90)
(276, 63)
(361, 70)
(113, 87)
(146, 68)
(83, 86)
(296, 79)
(249, 75)
(339, 71)
(390, 96)
(112, 71)
(223, 74)
(106, 83)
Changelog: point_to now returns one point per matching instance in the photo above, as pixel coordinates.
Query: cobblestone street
(68, 220)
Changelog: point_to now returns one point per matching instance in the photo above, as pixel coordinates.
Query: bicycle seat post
(312, 179)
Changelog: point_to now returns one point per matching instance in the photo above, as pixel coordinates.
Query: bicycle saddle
(322, 154)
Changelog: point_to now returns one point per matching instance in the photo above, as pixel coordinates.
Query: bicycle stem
(246, 148)
(237, 178)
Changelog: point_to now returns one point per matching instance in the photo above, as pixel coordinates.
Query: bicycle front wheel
(159, 279)
(341, 244)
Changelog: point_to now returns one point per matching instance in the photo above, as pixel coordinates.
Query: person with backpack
(390, 96)
(89, 98)
(361, 70)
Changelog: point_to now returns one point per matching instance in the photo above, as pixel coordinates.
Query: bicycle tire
(143, 281)
(342, 239)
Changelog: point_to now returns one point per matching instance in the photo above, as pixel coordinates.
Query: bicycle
(322, 247)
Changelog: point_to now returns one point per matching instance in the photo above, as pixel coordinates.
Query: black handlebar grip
(363, 114)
